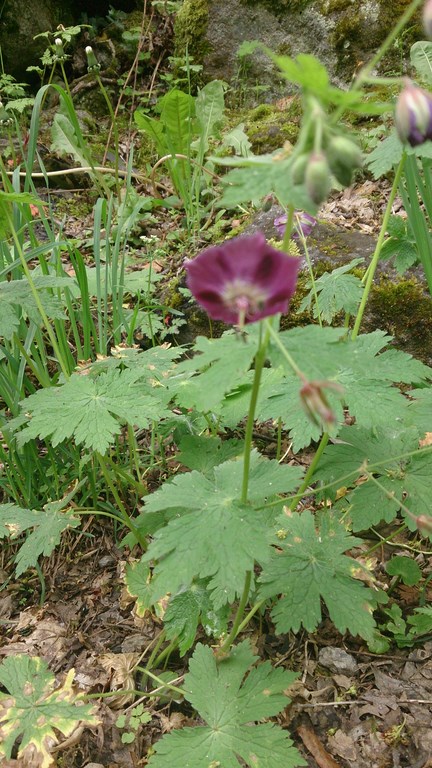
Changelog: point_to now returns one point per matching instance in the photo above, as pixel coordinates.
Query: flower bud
(92, 62)
(343, 156)
(413, 115)
(59, 52)
(298, 169)
(427, 18)
(317, 178)
(315, 403)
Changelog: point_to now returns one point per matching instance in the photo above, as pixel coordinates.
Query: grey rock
(338, 661)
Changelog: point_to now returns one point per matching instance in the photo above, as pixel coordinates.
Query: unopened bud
(427, 17)
(315, 403)
(343, 157)
(298, 169)
(317, 178)
(59, 52)
(92, 62)
(413, 115)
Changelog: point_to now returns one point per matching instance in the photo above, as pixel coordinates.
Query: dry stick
(89, 169)
(133, 69)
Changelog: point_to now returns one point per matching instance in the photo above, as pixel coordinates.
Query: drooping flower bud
(59, 52)
(413, 115)
(343, 157)
(427, 18)
(315, 403)
(318, 178)
(92, 62)
(298, 168)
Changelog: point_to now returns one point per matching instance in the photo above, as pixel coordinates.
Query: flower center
(244, 297)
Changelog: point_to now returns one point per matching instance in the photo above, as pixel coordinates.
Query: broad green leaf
(238, 140)
(229, 703)
(47, 524)
(152, 128)
(421, 59)
(309, 565)
(177, 110)
(403, 481)
(65, 141)
(213, 535)
(222, 364)
(385, 156)
(209, 110)
(256, 180)
(33, 710)
(205, 453)
(361, 367)
(189, 608)
(405, 567)
(336, 291)
(91, 409)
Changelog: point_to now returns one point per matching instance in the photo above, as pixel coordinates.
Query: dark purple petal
(303, 224)
(244, 279)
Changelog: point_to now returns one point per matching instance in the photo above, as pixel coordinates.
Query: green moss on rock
(190, 30)
(268, 127)
(404, 310)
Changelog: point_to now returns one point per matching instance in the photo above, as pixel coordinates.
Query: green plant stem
(375, 258)
(226, 645)
(162, 683)
(260, 358)
(290, 360)
(288, 229)
(104, 93)
(125, 517)
(250, 615)
(310, 471)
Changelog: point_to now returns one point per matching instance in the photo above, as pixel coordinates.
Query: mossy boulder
(341, 33)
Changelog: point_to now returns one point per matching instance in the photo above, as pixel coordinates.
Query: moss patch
(404, 310)
(190, 30)
(269, 127)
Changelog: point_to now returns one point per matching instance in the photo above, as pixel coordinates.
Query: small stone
(338, 661)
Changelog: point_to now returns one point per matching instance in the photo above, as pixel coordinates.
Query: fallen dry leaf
(316, 748)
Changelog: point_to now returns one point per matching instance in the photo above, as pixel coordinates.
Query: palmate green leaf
(213, 534)
(309, 565)
(204, 453)
(187, 610)
(421, 58)
(256, 180)
(221, 363)
(389, 152)
(230, 703)
(17, 293)
(47, 524)
(33, 710)
(336, 291)
(361, 367)
(91, 409)
(402, 480)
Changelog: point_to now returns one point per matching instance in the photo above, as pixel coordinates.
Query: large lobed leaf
(213, 535)
(229, 703)
(33, 710)
(91, 409)
(309, 565)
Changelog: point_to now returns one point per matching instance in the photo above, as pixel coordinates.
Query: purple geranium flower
(413, 114)
(242, 280)
(303, 224)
